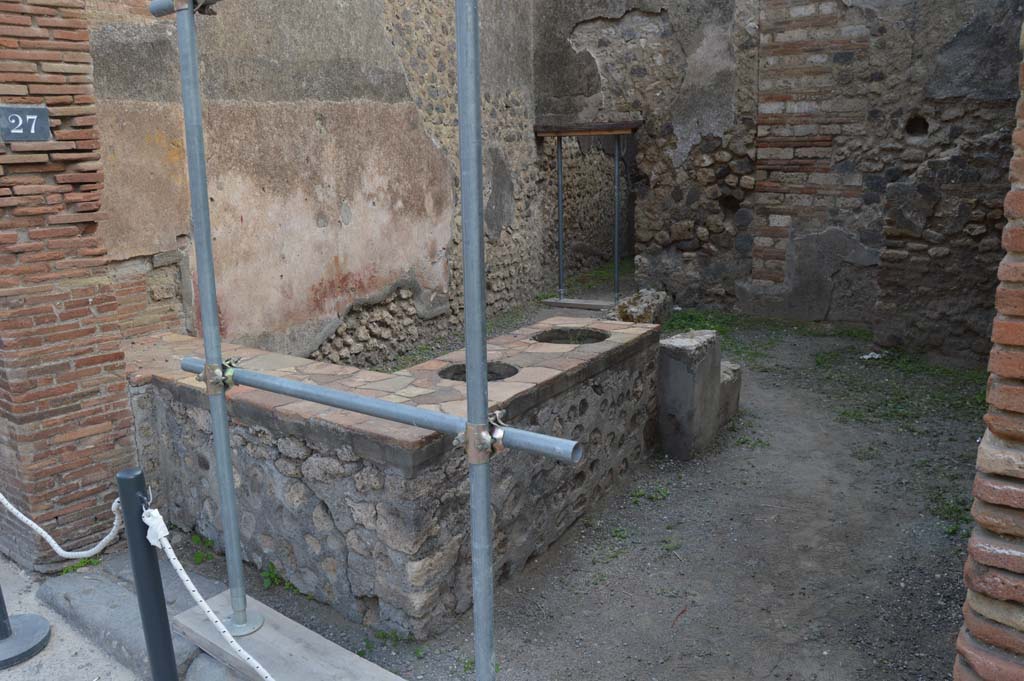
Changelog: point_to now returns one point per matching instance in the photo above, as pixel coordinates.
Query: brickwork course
(63, 402)
(991, 642)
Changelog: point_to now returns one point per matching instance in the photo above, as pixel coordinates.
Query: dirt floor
(822, 538)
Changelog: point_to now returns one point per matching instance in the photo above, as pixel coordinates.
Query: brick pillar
(805, 48)
(64, 417)
(991, 643)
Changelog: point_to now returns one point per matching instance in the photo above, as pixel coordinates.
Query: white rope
(111, 537)
(157, 536)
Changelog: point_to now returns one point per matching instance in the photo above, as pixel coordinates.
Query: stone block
(645, 307)
(689, 392)
(729, 392)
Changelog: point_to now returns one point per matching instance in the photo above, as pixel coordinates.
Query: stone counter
(372, 516)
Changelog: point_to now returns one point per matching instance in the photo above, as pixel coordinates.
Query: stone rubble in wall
(373, 334)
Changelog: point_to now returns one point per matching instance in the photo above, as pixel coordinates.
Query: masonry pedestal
(22, 637)
(697, 392)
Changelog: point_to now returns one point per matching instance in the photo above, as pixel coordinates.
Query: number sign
(24, 123)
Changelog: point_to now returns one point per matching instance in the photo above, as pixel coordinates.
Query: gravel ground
(69, 656)
(822, 537)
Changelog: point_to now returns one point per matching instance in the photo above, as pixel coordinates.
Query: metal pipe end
(161, 8)
(577, 453)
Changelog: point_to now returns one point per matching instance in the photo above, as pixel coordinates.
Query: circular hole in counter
(496, 371)
(568, 335)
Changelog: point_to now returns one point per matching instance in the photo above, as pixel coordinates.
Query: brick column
(991, 643)
(805, 46)
(64, 416)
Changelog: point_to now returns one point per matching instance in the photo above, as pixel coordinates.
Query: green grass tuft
(84, 563)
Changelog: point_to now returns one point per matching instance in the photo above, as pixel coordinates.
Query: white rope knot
(157, 527)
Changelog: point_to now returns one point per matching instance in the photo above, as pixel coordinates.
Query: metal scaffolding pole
(561, 219)
(618, 210)
(239, 623)
(478, 439)
(566, 451)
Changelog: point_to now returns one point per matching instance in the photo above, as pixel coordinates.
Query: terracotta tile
(301, 410)
(552, 348)
(342, 418)
(504, 390)
(262, 399)
(390, 385)
(433, 365)
(455, 408)
(536, 374)
(413, 391)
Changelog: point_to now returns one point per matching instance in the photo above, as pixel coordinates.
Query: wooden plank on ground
(285, 648)
(579, 304)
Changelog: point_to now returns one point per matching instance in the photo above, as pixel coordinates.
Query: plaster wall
(324, 185)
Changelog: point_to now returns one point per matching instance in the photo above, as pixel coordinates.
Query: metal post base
(31, 634)
(253, 622)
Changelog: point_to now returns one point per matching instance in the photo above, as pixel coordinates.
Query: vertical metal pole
(561, 220)
(149, 589)
(618, 210)
(5, 619)
(470, 143)
(239, 623)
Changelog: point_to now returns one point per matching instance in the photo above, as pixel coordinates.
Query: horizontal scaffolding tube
(566, 451)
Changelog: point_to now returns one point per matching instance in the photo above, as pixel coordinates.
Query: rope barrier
(111, 537)
(157, 536)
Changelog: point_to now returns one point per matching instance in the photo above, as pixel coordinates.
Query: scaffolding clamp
(484, 441)
(219, 378)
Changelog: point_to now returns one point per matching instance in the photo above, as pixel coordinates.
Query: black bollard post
(22, 637)
(156, 627)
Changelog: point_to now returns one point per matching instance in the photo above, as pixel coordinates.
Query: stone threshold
(545, 371)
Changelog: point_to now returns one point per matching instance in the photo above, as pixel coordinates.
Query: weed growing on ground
(423, 352)
(955, 510)
(620, 533)
(610, 556)
(770, 332)
(204, 549)
(367, 648)
(659, 493)
(901, 387)
(420, 652)
(271, 577)
(752, 442)
(671, 544)
(84, 563)
(393, 638)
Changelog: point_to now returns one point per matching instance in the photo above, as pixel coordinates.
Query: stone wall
(806, 159)
(882, 132)
(371, 516)
(689, 70)
(64, 416)
(991, 643)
